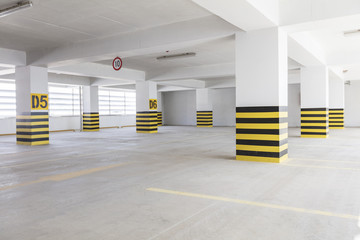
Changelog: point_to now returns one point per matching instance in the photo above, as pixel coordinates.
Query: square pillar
(91, 119)
(204, 108)
(159, 106)
(146, 107)
(336, 103)
(32, 106)
(261, 96)
(314, 102)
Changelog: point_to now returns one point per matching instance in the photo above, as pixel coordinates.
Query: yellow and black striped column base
(146, 122)
(262, 134)
(159, 118)
(336, 118)
(314, 123)
(32, 128)
(91, 122)
(204, 118)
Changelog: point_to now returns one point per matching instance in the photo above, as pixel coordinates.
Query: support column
(261, 96)
(146, 107)
(204, 108)
(314, 102)
(159, 106)
(32, 106)
(91, 119)
(336, 103)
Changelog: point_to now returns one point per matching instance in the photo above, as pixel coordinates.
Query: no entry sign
(117, 64)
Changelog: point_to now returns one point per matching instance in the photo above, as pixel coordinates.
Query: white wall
(352, 104)
(112, 121)
(180, 107)
(294, 108)
(224, 108)
(8, 125)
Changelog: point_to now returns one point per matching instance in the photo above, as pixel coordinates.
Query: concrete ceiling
(82, 37)
(212, 52)
(52, 23)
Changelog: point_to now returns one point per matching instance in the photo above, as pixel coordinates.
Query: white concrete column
(159, 106)
(91, 120)
(146, 107)
(261, 95)
(32, 105)
(336, 103)
(204, 107)
(314, 102)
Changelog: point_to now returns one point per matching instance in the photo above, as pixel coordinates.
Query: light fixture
(353, 33)
(175, 56)
(15, 8)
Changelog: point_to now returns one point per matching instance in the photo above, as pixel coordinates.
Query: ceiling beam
(97, 70)
(10, 58)
(153, 40)
(199, 72)
(248, 15)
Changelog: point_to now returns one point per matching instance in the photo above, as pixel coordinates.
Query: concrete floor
(181, 183)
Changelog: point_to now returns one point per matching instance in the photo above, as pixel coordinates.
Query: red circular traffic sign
(117, 64)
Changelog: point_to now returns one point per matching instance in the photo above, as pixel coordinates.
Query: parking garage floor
(182, 183)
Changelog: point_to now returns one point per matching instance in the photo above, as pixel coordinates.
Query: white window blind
(64, 100)
(116, 102)
(7, 99)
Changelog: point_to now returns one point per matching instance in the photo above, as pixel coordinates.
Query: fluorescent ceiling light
(354, 33)
(15, 8)
(175, 56)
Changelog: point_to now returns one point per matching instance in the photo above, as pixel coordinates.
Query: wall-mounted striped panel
(32, 128)
(314, 123)
(91, 122)
(146, 122)
(262, 134)
(336, 118)
(204, 118)
(159, 117)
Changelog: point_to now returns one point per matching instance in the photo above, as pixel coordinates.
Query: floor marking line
(257, 204)
(316, 160)
(324, 167)
(66, 176)
(56, 159)
(182, 221)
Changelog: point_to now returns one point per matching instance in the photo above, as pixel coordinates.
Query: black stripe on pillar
(314, 122)
(262, 133)
(32, 128)
(147, 122)
(336, 118)
(204, 119)
(91, 122)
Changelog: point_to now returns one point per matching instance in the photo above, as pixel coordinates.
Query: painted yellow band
(261, 148)
(33, 143)
(262, 115)
(314, 124)
(314, 118)
(315, 130)
(261, 159)
(262, 125)
(314, 136)
(313, 112)
(19, 129)
(267, 137)
(31, 123)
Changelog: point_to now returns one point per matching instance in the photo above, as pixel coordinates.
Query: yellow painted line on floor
(57, 159)
(324, 167)
(320, 160)
(255, 204)
(65, 176)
